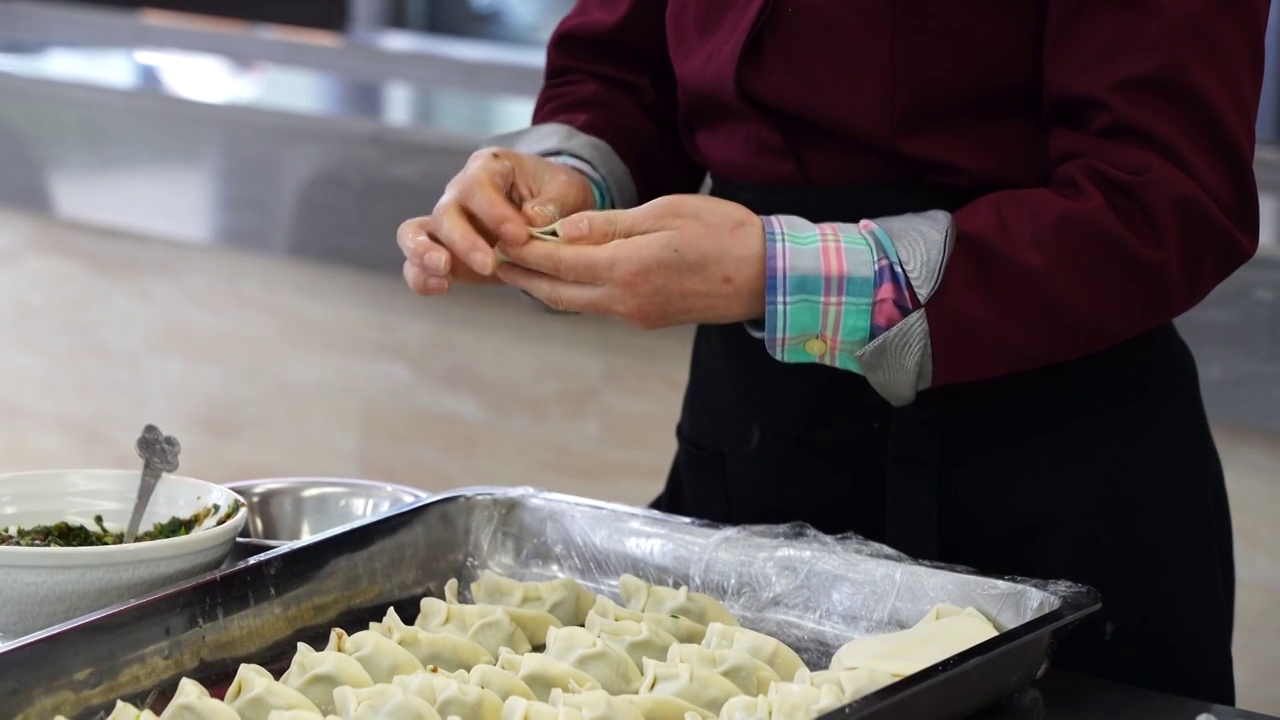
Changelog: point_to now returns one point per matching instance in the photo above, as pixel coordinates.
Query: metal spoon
(159, 453)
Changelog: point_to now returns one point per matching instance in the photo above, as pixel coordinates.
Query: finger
(421, 282)
(574, 263)
(452, 228)
(598, 227)
(413, 240)
(555, 293)
(494, 215)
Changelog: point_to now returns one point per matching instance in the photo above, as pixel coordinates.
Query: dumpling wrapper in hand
(191, 701)
(550, 233)
(254, 693)
(381, 702)
(597, 705)
(640, 596)
(448, 652)
(696, 685)
(317, 674)
(580, 649)
(681, 628)
(378, 654)
(666, 707)
(543, 674)
(488, 626)
(533, 623)
(564, 598)
(771, 651)
(637, 640)
(909, 651)
(752, 676)
(451, 696)
(521, 709)
(500, 682)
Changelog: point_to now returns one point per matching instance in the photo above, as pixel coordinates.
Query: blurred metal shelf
(479, 66)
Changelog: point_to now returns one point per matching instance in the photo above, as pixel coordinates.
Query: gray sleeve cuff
(555, 138)
(899, 363)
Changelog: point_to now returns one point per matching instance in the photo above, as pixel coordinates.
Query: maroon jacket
(1116, 138)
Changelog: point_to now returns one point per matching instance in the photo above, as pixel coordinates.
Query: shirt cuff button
(816, 346)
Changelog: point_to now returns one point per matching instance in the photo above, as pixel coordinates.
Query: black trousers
(1100, 470)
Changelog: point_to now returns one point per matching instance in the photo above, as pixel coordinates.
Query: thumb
(598, 227)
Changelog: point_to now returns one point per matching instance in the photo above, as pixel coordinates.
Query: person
(933, 280)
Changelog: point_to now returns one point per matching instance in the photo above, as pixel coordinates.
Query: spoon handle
(159, 453)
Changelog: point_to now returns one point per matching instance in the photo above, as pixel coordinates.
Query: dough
(770, 651)
(941, 634)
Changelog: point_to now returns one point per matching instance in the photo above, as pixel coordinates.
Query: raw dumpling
(534, 623)
(564, 598)
(606, 611)
(254, 693)
(665, 707)
(296, 714)
(597, 705)
(792, 700)
(853, 684)
(938, 636)
(192, 702)
(123, 711)
(640, 596)
(696, 685)
(752, 676)
(317, 674)
(380, 656)
(579, 648)
(448, 652)
(747, 707)
(637, 640)
(521, 709)
(451, 697)
(542, 674)
(381, 702)
(500, 682)
(486, 625)
(771, 651)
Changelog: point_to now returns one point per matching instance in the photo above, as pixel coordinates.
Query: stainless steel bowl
(284, 510)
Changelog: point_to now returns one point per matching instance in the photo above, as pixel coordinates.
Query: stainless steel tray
(813, 591)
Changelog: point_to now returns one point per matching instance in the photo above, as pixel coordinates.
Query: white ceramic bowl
(44, 586)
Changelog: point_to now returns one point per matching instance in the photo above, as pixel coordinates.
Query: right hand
(496, 197)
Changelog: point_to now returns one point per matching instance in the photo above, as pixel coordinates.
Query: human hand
(496, 197)
(676, 260)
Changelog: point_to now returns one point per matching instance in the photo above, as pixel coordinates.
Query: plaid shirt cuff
(831, 289)
(599, 188)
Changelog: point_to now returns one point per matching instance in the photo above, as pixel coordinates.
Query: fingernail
(546, 213)
(436, 261)
(573, 226)
(437, 284)
(482, 262)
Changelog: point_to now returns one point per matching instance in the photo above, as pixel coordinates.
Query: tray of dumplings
(502, 604)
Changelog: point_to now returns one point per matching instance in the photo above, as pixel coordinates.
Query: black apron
(1100, 470)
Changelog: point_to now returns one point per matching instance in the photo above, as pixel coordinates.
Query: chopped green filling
(64, 534)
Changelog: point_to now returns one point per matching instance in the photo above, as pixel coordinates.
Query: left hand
(676, 260)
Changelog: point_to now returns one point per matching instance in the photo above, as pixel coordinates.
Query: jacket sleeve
(609, 99)
(1150, 200)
